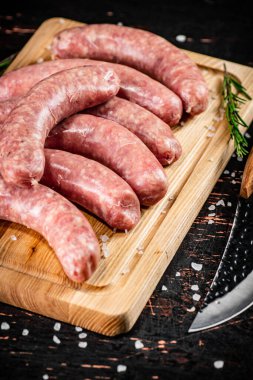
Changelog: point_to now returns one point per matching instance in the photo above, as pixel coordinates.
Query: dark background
(218, 28)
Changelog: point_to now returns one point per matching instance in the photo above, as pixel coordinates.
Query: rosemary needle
(234, 95)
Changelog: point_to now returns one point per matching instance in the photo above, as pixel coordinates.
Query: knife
(231, 291)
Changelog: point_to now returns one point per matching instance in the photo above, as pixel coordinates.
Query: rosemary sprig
(232, 102)
(6, 62)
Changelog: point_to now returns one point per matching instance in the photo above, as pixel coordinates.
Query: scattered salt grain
(247, 135)
(125, 271)
(210, 221)
(56, 339)
(181, 38)
(5, 326)
(82, 335)
(120, 23)
(192, 309)
(40, 60)
(196, 266)
(164, 288)
(121, 368)
(196, 297)
(140, 249)
(45, 377)
(57, 326)
(138, 344)
(218, 364)
(240, 159)
(78, 329)
(25, 332)
(226, 171)
(61, 21)
(105, 250)
(220, 203)
(126, 231)
(210, 135)
(194, 287)
(211, 214)
(82, 344)
(13, 237)
(233, 182)
(178, 274)
(104, 238)
(233, 174)
(229, 204)
(211, 208)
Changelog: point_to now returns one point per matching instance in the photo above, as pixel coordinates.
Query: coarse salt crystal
(247, 135)
(192, 309)
(126, 231)
(181, 38)
(105, 250)
(164, 288)
(138, 344)
(120, 23)
(233, 182)
(226, 171)
(178, 274)
(239, 159)
(196, 297)
(210, 135)
(40, 60)
(196, 266)
(82, 335)
(78, 329)
(13, 237)
(218, 364)
(220, 203)
(5, 326)
(45, 377)
(61, 21)
(210, 221)
(233, 174)
(121, 368)
(211, 208)
(57, 326)
(195, 287)
(25, 332)
(104, 238)
(211, 214)
(82, 344)
(56, 339)
(229, 204)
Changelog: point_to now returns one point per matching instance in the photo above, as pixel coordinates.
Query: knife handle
(247, 178)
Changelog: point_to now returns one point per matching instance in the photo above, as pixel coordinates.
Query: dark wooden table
(158, 347)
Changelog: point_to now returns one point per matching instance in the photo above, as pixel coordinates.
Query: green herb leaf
(232, 102)
(6, 62)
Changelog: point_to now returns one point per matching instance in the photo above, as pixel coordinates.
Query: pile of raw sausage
(92, 126)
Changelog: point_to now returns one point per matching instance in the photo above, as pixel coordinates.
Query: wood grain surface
(158, 346)
(111, 301)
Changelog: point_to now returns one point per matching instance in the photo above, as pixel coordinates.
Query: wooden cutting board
(111, 301)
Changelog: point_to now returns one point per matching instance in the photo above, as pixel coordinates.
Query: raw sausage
(115, 147)
(142, 50)
(134, 86)
(5, 108)
(64, 227)
(156, 134)
(62, 94)
(93, 186)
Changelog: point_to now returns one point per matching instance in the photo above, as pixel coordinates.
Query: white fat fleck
(220, 203)
(196, 297)
(121, 368)
(196, 266)
(82, 344)
(178, 274)
(13, 237)
(45, 377)
(138, 344)
(5, 326)
(25, 332)
(191, 310)
(57, 326)
(56, 339)
(164, 288)
(218, 364)
(211, 208)
(104, 238)
(78, 329)
(194, 287)
(82, 335)
(229, 204)
(181, 38)
(211, 221)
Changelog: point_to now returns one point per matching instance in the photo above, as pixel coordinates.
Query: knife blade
(231, 291)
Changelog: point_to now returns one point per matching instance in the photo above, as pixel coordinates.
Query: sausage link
(156, 134)
(134, 86)
(6, 107)
(64, 227)
(115, 147)
(140, 49)
(23, 134)
(93, 186)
